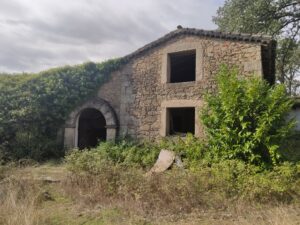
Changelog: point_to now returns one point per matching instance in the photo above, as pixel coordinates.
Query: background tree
(278, 18)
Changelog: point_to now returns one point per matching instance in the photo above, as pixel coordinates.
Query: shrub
(135, 154)
(281, 183)
(246, 119)
(124, 153)
(190, 148)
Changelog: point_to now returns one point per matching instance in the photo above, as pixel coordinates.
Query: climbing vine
(35, 106)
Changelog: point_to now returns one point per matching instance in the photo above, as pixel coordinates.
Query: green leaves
(258, 16)
(35, 106)
(247, 119)
(124, 153)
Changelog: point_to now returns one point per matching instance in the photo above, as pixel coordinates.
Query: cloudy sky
(38, 34)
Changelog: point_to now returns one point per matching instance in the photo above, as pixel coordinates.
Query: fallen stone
(164, 161)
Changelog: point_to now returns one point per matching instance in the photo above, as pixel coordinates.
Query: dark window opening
(91, 128)
(182, 66)
(181, 121)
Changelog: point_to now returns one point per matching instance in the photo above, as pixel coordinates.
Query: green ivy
(35, 106)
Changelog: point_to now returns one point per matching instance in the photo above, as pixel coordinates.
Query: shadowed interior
(182, 66)
(91, 128)
(181, 120)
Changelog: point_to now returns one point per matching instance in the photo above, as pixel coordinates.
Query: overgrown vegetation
(119, 180)
(118, 195)
(133, 154)
(124, 153)
(227, 180)
(238, 175)
(239, 162)
(247, 119)
(109, 184)
(35, 106)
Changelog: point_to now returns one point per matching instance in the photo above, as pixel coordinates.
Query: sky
(39, 34)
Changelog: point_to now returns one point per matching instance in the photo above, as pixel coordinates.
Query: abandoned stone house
(160, 89)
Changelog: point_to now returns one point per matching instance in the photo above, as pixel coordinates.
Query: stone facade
(140, 92)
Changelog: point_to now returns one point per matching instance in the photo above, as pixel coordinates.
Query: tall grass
(181, 191)
(19, 202)
(117, 195)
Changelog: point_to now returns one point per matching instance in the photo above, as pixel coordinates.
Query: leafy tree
(278, 18)
(288, 65)
(246, 119)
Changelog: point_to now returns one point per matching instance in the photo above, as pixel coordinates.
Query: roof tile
(257, 38)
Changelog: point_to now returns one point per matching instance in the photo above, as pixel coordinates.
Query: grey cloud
(37, 35)
(10, 7)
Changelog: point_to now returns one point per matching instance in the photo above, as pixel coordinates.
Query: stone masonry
(140, 94)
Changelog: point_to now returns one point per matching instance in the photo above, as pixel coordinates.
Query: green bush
(281, 183)
(123, 153)
(34, 107)
(236, 179)
(190, 148)
(135, 154)
(246, 119)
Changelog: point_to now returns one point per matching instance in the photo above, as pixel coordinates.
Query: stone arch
(71, 125)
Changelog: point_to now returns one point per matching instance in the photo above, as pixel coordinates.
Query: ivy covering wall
(34, 107)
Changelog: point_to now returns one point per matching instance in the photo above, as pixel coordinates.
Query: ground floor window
(181, 120)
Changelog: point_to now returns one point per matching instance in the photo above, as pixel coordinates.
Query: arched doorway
(91, 128)
(89, 123)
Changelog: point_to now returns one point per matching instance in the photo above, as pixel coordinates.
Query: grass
(49, 195)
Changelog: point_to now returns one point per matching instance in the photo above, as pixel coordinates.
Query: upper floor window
(182, 66)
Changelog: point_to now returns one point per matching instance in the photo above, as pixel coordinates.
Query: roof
(253, 38)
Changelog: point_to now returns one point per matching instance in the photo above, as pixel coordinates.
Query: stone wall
(139, 92)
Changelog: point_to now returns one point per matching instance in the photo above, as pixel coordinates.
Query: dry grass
(28, 198)
(178, 191)
(19, 202)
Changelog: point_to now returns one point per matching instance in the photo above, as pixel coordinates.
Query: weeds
(119, 195)
(128, 154)
(19, 201)
(177, 190)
